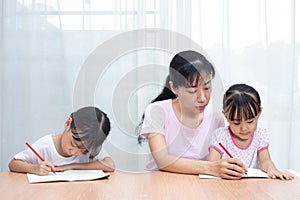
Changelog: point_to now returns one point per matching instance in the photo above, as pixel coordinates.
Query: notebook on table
(69, 175)
(252, 173)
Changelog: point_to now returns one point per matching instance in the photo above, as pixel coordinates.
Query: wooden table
(155, 185)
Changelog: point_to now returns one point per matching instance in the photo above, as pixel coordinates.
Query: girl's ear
(172, 87)
(225, 116)
(68, 123)
(261, 108)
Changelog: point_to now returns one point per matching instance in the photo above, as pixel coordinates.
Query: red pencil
(38, 155)
(225, 150)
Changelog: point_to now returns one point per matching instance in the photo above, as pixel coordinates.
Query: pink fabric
(249, 154)
(182, 141)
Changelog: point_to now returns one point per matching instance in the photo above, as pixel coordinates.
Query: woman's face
(195, 98)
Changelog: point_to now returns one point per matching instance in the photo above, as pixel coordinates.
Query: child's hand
(63, 168)
(231, 168)
(274, 173)
(44, 168)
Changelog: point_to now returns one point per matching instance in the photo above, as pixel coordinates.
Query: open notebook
(70, 175)
(252, 173)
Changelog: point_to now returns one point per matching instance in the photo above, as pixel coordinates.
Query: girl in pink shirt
(242, 138)
(180, 120)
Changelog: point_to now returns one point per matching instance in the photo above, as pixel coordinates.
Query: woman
(180, 120)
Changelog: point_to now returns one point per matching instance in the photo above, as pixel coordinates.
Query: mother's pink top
(182, 141)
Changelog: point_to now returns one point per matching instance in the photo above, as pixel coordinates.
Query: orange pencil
(38, 155)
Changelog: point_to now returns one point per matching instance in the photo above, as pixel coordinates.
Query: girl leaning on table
(180, 120)
(78, 147)
(242, 138)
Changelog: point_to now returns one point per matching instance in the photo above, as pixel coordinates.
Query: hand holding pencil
(44, 167)
(227, 152)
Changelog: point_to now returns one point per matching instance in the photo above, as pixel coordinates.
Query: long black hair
(186, 68)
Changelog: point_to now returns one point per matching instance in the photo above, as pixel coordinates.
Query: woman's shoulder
(164, 105)
(158, 111)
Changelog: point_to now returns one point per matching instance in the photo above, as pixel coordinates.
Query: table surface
(152, 185)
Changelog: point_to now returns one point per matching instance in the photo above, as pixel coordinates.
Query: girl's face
(194, 99)
(69, 145)
(242, 130)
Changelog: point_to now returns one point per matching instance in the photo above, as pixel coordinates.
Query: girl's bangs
(242, 110)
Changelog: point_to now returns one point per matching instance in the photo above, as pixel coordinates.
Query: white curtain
(47, 47)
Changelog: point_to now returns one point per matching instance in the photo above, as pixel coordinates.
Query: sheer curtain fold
(44, 45)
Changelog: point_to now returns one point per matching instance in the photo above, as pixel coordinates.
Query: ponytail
(166, 92)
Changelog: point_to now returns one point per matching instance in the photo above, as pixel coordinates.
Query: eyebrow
(193, 86)
(208, 82)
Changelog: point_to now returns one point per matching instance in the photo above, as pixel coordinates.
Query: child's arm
(107, 164)
(23, 167)
(268, 166)
(213, 155)
(228, 168)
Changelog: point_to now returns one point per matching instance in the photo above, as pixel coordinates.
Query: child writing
(242, 138)
(78, 147)
(179, 121)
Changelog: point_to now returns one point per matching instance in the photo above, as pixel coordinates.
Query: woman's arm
(228, 168)
(268, 166)
(107, 165)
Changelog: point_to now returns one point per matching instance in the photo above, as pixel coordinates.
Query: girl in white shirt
(78, 147)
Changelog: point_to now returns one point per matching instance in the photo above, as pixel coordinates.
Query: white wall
(46, 44)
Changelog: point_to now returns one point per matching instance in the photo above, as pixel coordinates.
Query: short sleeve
(27, 156)
(41, 146)
(214, 140)
(154, 120)
(264, 139)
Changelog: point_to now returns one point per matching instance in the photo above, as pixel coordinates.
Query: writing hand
(231, 168)
(44, 168)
